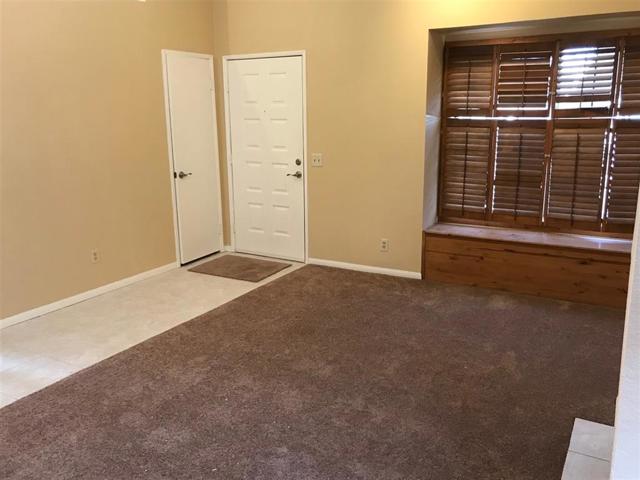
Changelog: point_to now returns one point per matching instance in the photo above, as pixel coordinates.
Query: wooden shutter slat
(519, 169)
(630, 80)
(586, 77)
(524, 78)
(624, 177)
(577, 158)
(468, 81)
(466, 159)
(581, 99)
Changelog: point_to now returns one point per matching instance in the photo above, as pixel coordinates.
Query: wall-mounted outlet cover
(316, 159)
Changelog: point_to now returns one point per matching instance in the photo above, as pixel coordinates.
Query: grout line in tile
(590, 456)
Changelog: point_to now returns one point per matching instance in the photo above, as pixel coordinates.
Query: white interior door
(194, 147)
(267, 152)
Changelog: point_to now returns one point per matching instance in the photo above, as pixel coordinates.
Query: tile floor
(589, 455)
(43, 350)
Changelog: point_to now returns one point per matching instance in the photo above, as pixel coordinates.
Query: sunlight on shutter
(576, 174)
(466, 168)
(468, 81)
(630, 83)
(519, 170)
(524, 79)
(585, 77)
(624, 177)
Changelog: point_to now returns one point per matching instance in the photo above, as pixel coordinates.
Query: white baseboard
(228, 248)
(365, 268)
(80, 297)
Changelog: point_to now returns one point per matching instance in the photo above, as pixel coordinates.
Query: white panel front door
(194, 144)
(267, 152)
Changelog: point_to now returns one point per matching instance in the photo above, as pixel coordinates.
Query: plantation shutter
(624, 177)
(466, 162)
(576, 173)
(468, 82)
(524, 79)
(630, 82)
(624, 171)
(585, 76)
(542, 132)
(519, 171)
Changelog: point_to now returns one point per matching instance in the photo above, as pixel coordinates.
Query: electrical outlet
(316, 159)
(95, 256)
(384, 245)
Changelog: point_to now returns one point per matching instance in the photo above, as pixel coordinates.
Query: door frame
(227, 127)
(167, 109)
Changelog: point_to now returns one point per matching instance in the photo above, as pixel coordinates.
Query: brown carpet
(240, 268)
(332, 374)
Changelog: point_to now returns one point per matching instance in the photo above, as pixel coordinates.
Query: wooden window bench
(580, 268)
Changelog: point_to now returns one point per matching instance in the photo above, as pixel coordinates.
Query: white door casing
(193, 148)
(265, 111)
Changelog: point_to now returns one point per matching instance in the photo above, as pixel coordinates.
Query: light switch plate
(316, 159)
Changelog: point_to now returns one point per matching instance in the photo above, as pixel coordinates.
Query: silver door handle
(298, 174)
(182, 174)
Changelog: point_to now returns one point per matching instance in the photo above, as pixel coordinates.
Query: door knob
(182, 174)
(298, 174)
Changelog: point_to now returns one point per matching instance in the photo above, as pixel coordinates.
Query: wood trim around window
(551, 37)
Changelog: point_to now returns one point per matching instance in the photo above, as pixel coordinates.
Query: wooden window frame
(567, 118)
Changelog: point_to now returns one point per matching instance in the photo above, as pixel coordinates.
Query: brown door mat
(240, 268)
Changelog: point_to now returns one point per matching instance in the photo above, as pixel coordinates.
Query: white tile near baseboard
(593, 439)
(40, 351)
(589, 454)
(22, 376)
(583, 467)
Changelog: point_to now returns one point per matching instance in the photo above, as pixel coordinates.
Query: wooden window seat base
(579, 268)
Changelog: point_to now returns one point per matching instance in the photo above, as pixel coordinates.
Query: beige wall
(221, 47)
(84, 149)
(367, 71)
(84, 158)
